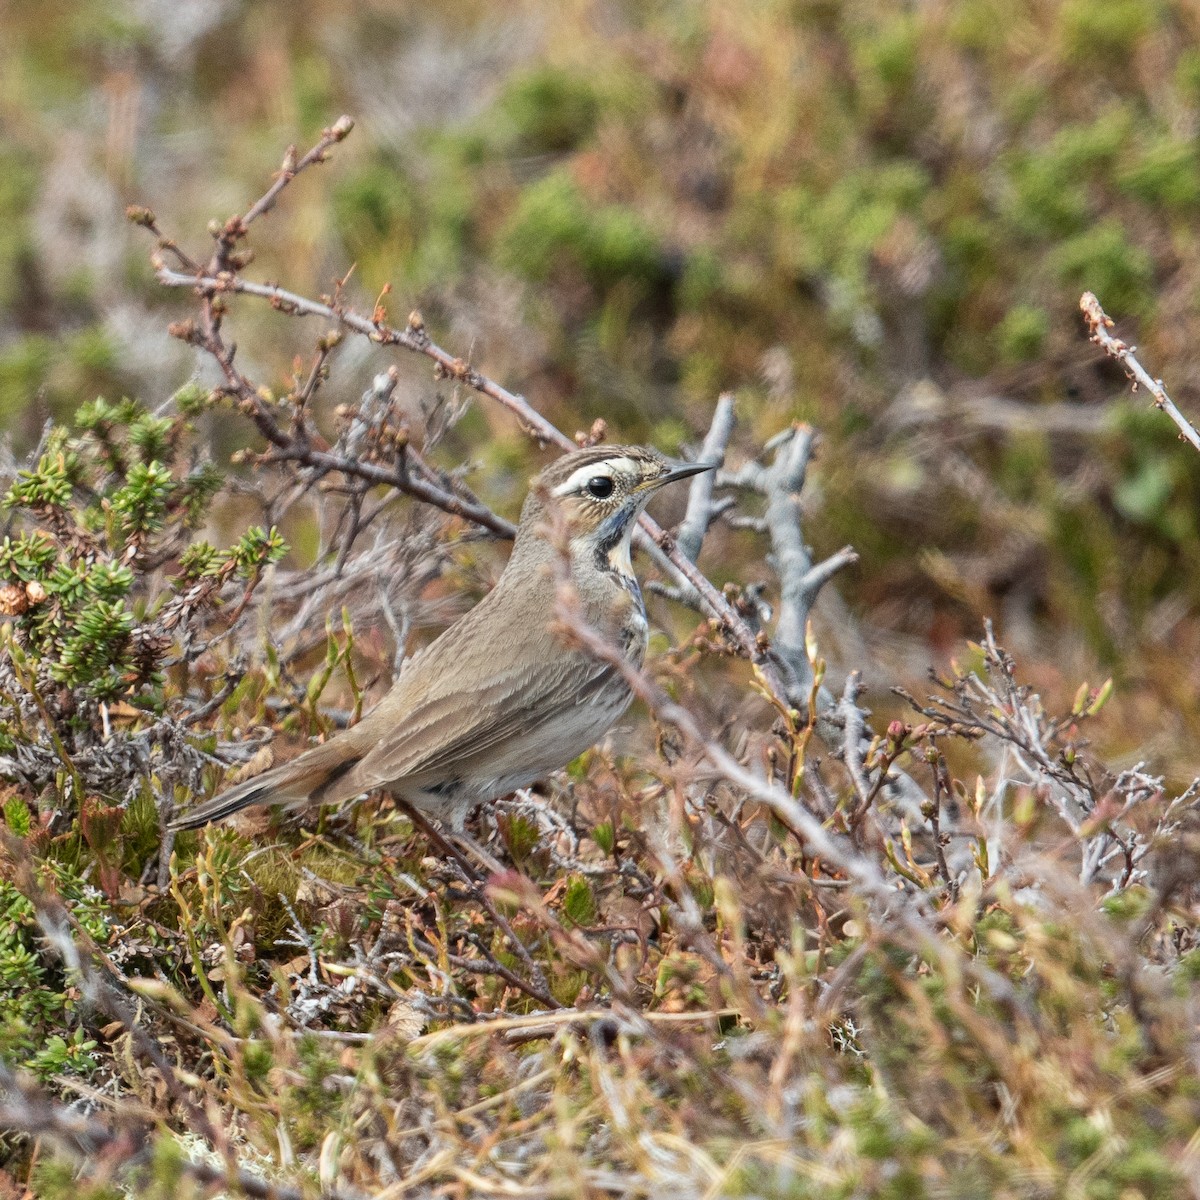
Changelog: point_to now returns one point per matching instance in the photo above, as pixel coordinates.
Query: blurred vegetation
(876, 218)
(622, 211)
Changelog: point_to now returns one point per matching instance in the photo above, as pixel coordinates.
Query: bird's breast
(635, 631)
(613, 605)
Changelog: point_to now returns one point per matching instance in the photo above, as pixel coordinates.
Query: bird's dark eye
(600, 486)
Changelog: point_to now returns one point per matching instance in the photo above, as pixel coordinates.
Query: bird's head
(594, 496)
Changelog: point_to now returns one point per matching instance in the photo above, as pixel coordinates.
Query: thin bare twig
(414, 338)
(25, 1108)
(853, 742)
(288, 446)
(992, 703)
(294, 445)
(1099, 323)
(701, 510)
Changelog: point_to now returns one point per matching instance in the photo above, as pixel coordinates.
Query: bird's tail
(306, 779)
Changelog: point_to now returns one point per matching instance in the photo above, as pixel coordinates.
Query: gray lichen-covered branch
(800, 577)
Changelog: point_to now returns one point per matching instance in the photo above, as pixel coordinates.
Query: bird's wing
(441, 724)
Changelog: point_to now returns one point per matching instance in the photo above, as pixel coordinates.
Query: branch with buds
(1099, 324)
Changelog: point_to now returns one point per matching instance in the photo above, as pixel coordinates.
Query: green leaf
(520, 835)
(579, 901)
(17, 816)
(604, 836)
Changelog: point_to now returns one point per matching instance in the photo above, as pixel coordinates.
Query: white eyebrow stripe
(608, 467)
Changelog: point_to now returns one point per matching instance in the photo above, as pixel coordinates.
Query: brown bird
(499, 700)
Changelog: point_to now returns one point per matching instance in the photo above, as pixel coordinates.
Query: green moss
(1105, 29)
(971, 244)
(1166, 173)
(702, 278)
(1050, 201)
(886, 62)
(1022, 333)
(579, 901)
(549, 110)
(58, 1179)
(840, 243)
(619, 245)
(554, 226)
(1081, 1139)
(550, 220)
(981, 25)
(1188, 967)
(376, 201)
(91, 350)
(1096, 144)
(1152, 1171)
(1103, 260)
(1187, 73)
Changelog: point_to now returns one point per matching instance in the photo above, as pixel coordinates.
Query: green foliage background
(874, 217)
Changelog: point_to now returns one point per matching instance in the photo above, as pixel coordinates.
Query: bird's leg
(466, 842)
(452, 843)
(439, 839)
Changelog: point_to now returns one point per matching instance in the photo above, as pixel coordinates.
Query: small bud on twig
(594, 436)
(185, 331)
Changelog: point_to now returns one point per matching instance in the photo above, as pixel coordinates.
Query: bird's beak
(682, 470)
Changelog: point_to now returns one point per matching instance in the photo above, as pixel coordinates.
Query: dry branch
(701, 510)
(1099, 323)
(800, 578)
(106, 1151)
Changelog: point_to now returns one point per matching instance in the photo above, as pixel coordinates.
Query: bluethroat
(499, 699)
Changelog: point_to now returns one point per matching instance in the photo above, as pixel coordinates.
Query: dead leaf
(405, 1021)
